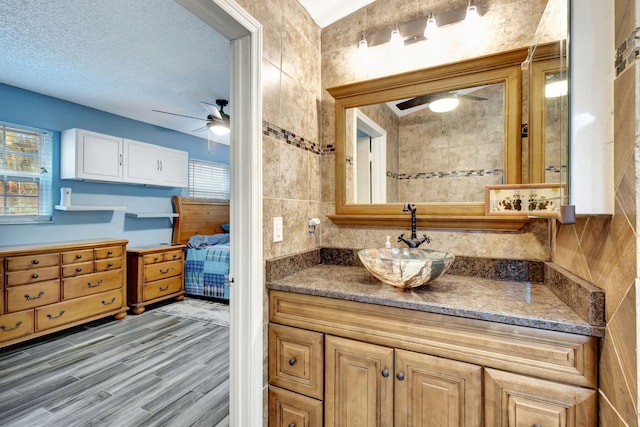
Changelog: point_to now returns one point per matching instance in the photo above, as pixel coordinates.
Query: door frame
(246, 358)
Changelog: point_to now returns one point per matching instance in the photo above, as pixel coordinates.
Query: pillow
(217, 239)
(225, 227)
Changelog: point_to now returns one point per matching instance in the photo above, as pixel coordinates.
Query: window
(209, 180)
(25, 174)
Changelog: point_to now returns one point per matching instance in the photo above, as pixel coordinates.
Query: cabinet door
(513, 400)
(141, 163)
(288, 409)
(358, 383)
(97, 156)
(436, 392)
(174, 167)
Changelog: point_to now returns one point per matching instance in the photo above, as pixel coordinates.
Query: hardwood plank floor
(154, 369)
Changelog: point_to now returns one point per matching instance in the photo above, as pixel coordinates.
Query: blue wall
(21, 107)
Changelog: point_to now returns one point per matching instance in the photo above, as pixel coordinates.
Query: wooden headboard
(197, 216)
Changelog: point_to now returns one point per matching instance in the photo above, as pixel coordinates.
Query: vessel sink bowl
(405, 267)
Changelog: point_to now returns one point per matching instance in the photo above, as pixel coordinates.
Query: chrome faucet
(413, 242)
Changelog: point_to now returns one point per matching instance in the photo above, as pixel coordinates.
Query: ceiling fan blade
(414, 102)
(181, 115)
(199, 129)
(211, 109)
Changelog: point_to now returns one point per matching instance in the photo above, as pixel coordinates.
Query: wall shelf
(89, 208)
(151, 214)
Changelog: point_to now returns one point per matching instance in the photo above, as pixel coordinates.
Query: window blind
(209, 180)
(25, 174)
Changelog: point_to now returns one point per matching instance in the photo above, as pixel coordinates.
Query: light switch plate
(277, 229)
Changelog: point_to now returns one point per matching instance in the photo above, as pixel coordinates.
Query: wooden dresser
(49, 287)
(155, 273)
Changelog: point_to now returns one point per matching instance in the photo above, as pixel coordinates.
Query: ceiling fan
(433, 99)
(217, 121)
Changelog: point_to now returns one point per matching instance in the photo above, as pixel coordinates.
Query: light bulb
(432, 27)
(396, 39)
(362, 44)
(472, 14)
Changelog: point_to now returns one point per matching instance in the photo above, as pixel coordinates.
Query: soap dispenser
(387, 244)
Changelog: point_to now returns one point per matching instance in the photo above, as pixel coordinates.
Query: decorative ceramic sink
(405, 267)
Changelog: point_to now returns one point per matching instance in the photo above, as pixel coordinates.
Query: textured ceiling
(121, 56)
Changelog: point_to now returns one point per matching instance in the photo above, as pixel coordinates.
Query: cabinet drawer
(160, 288)
(162, 270)
(109, 252)
(16, 325)
(296, 360)
(35, 275)
(287, 408)
(29, 296)
(73, 257)
(78, 309)
(91, 284)
(77, 269)
(153, 258)
(173, 255)
(108, 264)
(27, 262)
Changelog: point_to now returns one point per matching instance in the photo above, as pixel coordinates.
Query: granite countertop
(521, 303)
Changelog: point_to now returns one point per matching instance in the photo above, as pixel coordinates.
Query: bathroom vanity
(461, 350)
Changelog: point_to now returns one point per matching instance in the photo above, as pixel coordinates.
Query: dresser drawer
(296, 360)
(109, 252)
(287, 408)
(91, 284)
(78, 309)
(35, 275)
(160, 288)
(73, 270)
(173, 255)
(162, 270)
(16, 325)
(29, 296)
(27, 262)
(74, 257)
(108, 264)
(153, 258)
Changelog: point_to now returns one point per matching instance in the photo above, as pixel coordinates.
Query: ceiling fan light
(444, 105)
(218, 128)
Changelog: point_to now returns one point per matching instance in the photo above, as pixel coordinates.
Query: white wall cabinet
(93, 156)
(151, 164)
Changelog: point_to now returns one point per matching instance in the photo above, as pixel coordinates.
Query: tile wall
(603, 250)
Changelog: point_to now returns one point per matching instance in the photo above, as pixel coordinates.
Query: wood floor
(154, 369)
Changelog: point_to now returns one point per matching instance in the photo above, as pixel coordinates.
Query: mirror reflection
(438, 147)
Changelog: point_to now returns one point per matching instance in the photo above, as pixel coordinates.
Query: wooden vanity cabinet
(49, 287)
(155, 273)
(387, 366)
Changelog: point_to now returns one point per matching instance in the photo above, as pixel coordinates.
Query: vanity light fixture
(444, 105)
(432, 27)
(420, 29)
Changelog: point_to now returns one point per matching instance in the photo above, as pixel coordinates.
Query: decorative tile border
(628, 52)
(445, 174)
(269, 129)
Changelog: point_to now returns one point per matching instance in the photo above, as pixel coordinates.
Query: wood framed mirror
(478, 145)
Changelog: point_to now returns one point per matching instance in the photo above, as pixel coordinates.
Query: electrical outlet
(277, 229)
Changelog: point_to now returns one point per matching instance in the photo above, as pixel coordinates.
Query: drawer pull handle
(95, 285)
(164, 288)
(110, 253)
(292, 361)
(35, 275)
(385, 373)
(400, 376)
(109, 302)
(292, 425)
(156, 258)
(53, 316)
(78, 270)
(537, 425)
(7, 329)
(29, 297)
(36, 261)
(110, 264)
(79, 256)
(164, 271)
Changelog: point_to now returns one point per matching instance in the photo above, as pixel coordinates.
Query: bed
(202, 225)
